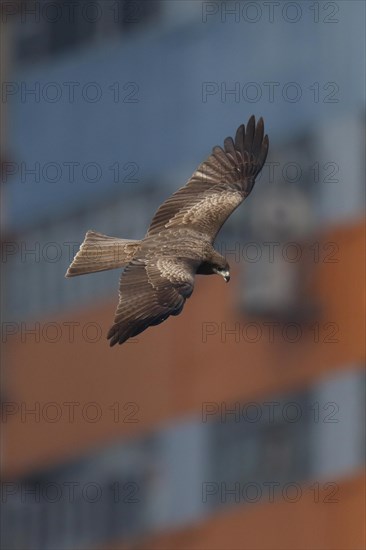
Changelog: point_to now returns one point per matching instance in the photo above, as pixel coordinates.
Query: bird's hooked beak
(224, 273)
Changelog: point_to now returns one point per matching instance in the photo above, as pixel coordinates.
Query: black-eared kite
(160, 269)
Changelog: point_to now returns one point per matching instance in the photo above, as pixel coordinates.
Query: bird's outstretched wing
(149, 292)
(218, 185)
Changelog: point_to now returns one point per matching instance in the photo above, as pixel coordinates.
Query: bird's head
(223, 270)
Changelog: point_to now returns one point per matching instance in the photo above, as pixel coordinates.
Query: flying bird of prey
(160, 269)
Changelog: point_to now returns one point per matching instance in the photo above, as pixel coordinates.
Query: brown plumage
(160, 269)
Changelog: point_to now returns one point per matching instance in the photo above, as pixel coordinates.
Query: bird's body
(160, 269)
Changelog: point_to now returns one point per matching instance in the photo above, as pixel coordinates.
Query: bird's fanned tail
(99, 253)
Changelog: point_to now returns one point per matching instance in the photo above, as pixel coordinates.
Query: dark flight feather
(147, 297)
(230, 172)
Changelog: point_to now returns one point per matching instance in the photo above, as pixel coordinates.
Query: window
(94, 499)
(281, 221)
(257, 444)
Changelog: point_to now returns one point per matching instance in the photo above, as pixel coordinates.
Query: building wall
(158, 417)
(215, 366)
(172, 423)
(305, 524)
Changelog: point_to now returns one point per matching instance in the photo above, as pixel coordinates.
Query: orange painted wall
(169, 371)
(278, 526)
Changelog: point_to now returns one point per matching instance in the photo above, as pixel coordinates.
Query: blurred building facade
(239, 423)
